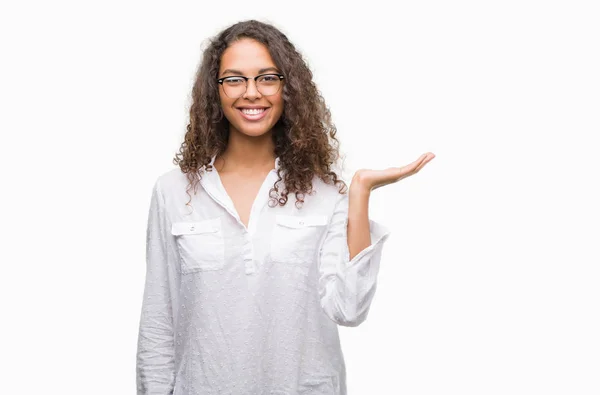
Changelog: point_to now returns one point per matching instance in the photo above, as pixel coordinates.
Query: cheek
(226, 106)
(223, 99)
(278, 104)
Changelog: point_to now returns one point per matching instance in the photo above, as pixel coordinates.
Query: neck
(247, 154)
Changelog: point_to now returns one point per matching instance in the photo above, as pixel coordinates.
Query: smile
(253, 114)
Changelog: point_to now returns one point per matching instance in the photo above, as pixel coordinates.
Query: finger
(416, 165)
(424, 162)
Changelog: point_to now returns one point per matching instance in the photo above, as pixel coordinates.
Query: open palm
(373, 179)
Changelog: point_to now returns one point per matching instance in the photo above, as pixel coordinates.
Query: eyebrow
(237, 72)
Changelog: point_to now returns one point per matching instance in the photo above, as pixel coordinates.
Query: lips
(253, 113)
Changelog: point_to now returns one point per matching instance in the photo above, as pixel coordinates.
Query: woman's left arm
(350, 255)
(363, 182)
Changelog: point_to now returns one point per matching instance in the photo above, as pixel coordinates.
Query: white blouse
(247, 311)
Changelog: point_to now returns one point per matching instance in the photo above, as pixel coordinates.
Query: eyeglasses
(266, 84)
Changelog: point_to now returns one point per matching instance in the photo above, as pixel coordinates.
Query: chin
(256, 131)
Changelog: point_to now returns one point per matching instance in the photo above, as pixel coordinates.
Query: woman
(244, 291)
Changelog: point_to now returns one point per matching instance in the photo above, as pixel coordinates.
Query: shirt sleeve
(346, 287)
(155, 349)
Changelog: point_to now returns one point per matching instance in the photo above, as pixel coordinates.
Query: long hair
(304, 136)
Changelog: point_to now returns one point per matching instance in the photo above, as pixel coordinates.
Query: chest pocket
(201, 245)
(295, 239)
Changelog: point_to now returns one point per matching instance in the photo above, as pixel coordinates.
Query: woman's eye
(234, 81)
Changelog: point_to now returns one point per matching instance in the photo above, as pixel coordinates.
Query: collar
(211, 182)
(212, 162)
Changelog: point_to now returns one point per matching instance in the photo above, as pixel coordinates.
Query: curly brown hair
(304, 137)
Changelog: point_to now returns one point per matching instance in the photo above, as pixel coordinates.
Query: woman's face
(249, 58)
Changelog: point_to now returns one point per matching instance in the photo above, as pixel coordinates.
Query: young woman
(244, 289)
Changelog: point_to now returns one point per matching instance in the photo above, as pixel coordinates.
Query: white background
(489, 283)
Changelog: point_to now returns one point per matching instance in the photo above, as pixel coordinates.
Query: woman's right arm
(155, 364)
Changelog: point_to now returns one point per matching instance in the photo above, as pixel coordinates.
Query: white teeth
(252, 111)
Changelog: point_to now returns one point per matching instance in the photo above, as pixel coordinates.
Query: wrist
(359, 187)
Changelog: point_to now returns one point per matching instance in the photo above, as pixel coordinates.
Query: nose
(251, 90)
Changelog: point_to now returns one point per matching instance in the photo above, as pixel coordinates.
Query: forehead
(246, 55)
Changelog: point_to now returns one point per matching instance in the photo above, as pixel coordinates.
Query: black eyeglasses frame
(221, 80)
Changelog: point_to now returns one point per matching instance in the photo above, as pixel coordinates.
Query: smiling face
(252, 113)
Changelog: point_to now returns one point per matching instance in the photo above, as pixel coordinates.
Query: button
(192, 228)
(301, 222)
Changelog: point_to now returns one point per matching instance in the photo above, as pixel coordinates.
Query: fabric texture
(236, 310)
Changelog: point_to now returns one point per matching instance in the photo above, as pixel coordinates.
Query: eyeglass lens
(267, 85)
